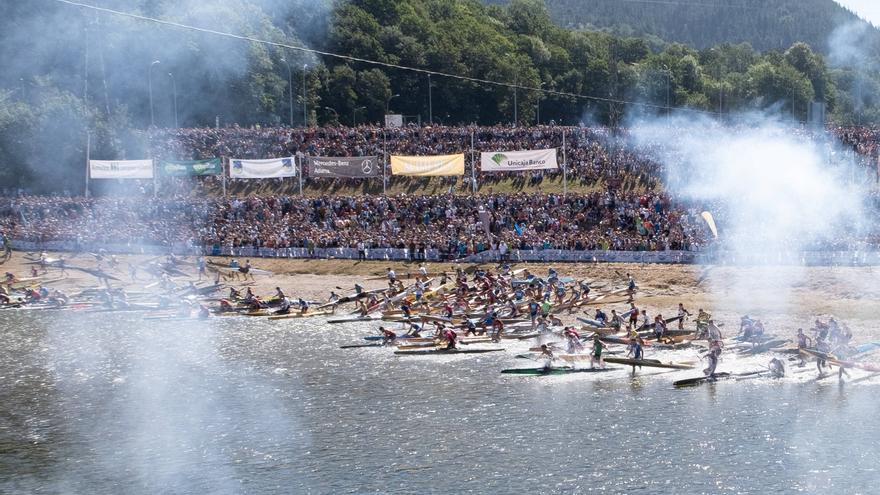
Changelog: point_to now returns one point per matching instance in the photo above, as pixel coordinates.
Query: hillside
(766, 25)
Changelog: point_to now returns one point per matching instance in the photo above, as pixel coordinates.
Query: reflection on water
(112, 403)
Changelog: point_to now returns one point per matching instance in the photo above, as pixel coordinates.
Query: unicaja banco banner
(511, 161)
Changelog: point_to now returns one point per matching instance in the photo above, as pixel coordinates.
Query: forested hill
(765, 24)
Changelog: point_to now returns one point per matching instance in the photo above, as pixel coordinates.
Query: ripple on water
(92, 405)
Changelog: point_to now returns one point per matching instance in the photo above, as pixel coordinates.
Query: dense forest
(69, 70)
(765, 25)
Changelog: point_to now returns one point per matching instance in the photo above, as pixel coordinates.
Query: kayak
(690, 382)
(553, 371)
(354, 319)
(650, 363)
(300, 315)
(355, 346)
(445, 351)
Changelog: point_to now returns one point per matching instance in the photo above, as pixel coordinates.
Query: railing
(808, 258)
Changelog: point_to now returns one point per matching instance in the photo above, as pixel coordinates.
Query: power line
(373, 62)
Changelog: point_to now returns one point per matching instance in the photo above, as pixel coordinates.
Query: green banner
(188, 168)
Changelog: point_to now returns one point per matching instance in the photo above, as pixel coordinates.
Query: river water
(109, 404)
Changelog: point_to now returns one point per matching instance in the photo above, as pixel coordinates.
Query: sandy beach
(785, 298)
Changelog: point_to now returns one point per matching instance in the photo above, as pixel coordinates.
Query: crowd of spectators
(632, 217)
(591, 153)
(456, 225)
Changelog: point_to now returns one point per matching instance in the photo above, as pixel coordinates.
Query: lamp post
(668, 83)
(515, 105)
(354, 115)
(334, 113)
(289, 91)
(150, 85)
(388, 103)
(305, 108)
(174, 92)
(538, 105)
(430, 103)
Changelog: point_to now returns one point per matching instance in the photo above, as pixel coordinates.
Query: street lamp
(430, 102)
(289, 91)
(538, 105)
(668, 82)
(174, 92)
(354, 115)
(334, 113)
(388, 103)
(305, 111)
(150, 85)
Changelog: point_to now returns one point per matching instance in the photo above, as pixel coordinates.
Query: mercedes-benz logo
(367, 167)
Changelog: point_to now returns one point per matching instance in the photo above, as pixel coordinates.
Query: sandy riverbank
(784, 297)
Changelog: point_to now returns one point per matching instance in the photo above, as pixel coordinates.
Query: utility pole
(305, 108)
(430, 102)
(150, 86)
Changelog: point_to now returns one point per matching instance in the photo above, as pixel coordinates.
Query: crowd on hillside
(454, 225)
(612, 218)
(591, 153)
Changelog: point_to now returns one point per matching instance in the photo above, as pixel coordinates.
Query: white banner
(121, 169)
(262, 169)
(511, 161)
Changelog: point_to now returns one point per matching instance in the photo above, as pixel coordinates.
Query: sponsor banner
(262, 169)
(357, 166)
(427, 165)
(187, 168)
(121, 169)
(510, 161)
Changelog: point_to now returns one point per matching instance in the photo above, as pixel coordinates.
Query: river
(111, 403)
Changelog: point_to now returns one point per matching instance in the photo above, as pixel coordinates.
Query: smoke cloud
(776, 191)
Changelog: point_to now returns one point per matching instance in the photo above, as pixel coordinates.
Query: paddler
(450, 337)
(636, 349)
(303, 306)
(703, 319)
(547, 354)
(497, 330)
(234, 294)
(204, 312)
(226, 306)
(616, 321)
(596, 356)
(802, 340)
(573, 339)
(392, 277)
(600, 316)
(630, 287)
(682, 313)
(279, 294)
(534, 307)
(716, 342)
(249, 296)
(406, 308)
(470, 327)
(659, 328)
(388, 337)
(545, 308)
(284, 307)
(633, 316)
(777, 368)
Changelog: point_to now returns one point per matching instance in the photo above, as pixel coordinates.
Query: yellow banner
(427, 165)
